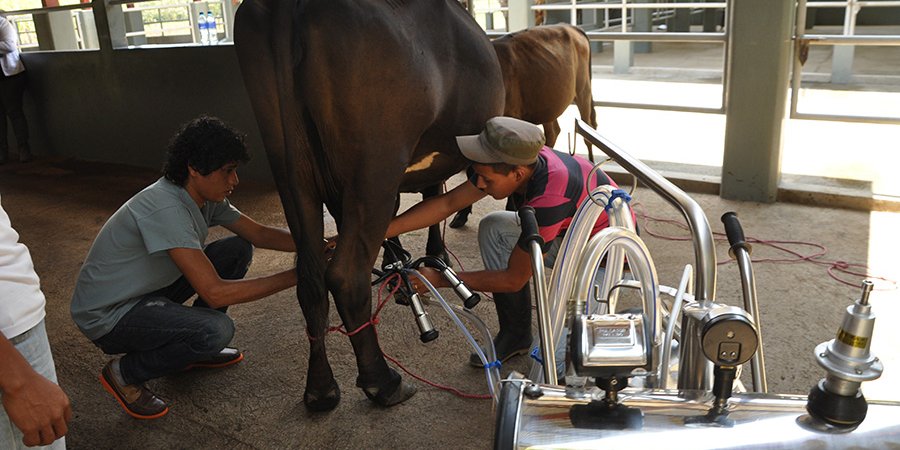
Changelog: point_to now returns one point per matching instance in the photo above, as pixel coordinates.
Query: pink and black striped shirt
(555, 191)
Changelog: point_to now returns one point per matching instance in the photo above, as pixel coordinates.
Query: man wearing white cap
(509, 160)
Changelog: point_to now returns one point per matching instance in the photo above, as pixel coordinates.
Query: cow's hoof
(400, 394)
(459, 220)
(322, 400)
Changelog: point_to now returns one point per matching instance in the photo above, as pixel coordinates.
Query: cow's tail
(584, 96)
(593, 116)
(265, 44)
(301, 151)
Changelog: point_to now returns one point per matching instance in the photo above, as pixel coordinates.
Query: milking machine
(666, 376)
(398, 263)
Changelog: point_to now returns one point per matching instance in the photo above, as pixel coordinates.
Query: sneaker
(225, 358)
(137, 401)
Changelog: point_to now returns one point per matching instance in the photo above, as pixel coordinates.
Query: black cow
(357, 100)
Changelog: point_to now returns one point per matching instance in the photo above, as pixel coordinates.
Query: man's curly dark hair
(206, 144)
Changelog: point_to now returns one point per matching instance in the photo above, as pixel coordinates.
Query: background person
(509, 160)
(150, 258)
(35, 410)
(12, 88)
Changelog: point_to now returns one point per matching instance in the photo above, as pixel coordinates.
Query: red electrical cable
(374, 321)
(780, 245)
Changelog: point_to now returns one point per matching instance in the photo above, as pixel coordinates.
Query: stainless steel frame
(704, 247)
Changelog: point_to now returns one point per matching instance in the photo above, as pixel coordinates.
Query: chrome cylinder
(695, 371)
(847, 358)
(537, 416)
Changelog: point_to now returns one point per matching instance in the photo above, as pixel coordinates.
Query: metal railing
(802, 41)
(618, 30)
(624, 35)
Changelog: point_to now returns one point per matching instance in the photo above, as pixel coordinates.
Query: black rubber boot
(25, 154)
(514, 315)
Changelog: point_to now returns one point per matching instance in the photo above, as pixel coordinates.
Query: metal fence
(843, 46)
(624, 22)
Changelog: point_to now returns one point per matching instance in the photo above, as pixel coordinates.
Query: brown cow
(545, 69)
(356, 100)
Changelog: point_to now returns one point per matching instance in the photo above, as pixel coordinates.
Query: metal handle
(530, 235)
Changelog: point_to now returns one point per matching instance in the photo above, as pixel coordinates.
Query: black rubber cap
(429, 335)
(529, 229)
(838, 410)
(472, 301)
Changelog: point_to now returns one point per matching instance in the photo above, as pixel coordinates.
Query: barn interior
(101, 114)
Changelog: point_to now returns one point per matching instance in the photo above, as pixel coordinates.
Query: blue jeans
(35, 348)
(498, 235)
(160, 335)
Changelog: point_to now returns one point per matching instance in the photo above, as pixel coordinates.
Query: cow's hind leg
(435, 244)
(364, 215)
(551, 132)
(322, 392)
(302, 209)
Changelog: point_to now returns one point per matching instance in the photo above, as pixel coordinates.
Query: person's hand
(40, 409)
(433, 276)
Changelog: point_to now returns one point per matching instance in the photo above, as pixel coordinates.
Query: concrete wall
(122, 106)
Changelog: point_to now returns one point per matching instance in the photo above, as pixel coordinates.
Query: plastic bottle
(201, 26)
(211, 28)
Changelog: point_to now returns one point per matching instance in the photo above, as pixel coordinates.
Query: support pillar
(623, 57)
(228, 16)
(54, 31)
(759, 46)
(520, 15)
(642, 23)
(110, 22)
(842, 64)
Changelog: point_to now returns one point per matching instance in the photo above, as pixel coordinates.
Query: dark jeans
(160, 335)
(11, 91)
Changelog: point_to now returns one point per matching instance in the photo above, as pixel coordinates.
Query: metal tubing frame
(677, 305)
(751, 305)
(545, 331)
(704, 246)
(627, 242)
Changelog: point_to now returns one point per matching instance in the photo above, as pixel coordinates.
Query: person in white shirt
(35, 409)
(12, 87)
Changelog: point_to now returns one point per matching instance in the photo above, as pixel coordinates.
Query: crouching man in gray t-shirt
(150, 258)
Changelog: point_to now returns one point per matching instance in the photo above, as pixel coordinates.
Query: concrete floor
(59, 205)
